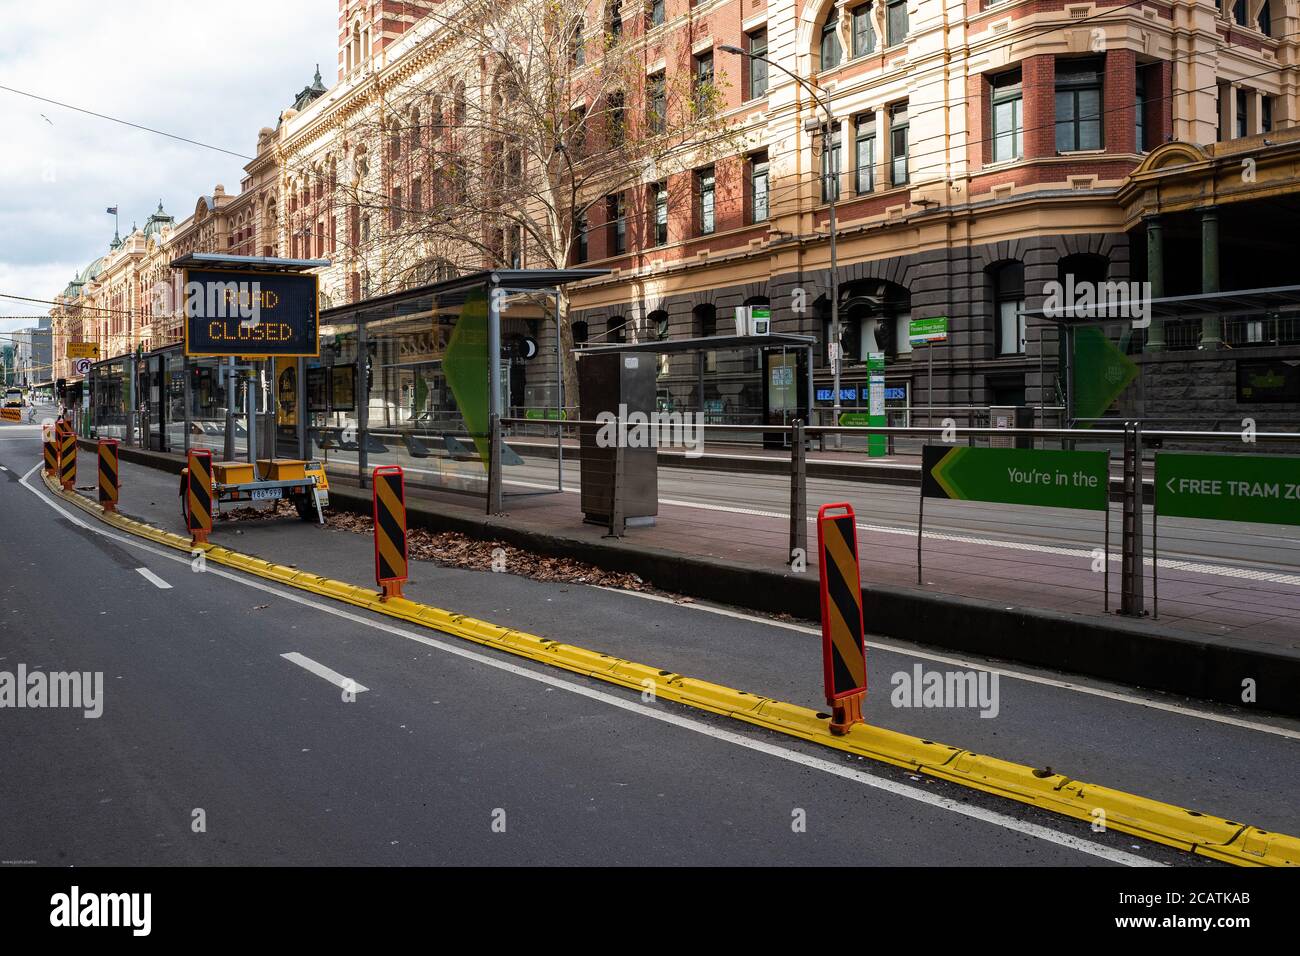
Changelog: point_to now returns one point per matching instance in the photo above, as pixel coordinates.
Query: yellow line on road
(1164, 823)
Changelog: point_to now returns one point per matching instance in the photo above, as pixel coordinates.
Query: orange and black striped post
(844, 652)
(390, 529)
(49, 442)
(198, 494)
(68, 458)
(108, 480)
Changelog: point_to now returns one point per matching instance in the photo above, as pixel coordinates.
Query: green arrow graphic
(466, 367)
(1101, 372)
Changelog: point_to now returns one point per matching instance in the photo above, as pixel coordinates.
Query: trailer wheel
(306, 507)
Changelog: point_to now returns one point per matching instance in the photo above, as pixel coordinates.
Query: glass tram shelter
(411, 378)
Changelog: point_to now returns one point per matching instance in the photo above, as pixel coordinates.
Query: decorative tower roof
(310, 93)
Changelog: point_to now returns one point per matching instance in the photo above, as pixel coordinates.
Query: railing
(1131, 484)
(1238, 332)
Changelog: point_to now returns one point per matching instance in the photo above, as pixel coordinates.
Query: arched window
(413, 141)
(616, 329)
(831, 51)
(704, 319)
(459, 110)
(1008, 280)
(395, 141)
(579, 333)
(658, 321)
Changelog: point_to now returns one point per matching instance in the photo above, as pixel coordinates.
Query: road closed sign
(1228, 487)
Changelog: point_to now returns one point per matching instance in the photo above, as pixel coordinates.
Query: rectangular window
(660, 224)
(1011, 327)
(397, 207)
(703, 80)
(616, 121)
(704, 188)
(580, 227)
(896, 21)
(1078, 105)
(615, 19)
(1266, 114)
(898, 144)
(1243, 114)
(616, 215)
(758, 187)
(417, 194)
(1140, 110)
(757, 68)
(1008, 117)
(656, 103)
(655, 13)
(830, 43)
(831, 167)
(864, 154)
(864, 32)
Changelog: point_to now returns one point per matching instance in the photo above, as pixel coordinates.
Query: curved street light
(831, 171)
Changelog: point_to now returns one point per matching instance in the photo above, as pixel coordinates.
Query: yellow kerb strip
(1163, 823)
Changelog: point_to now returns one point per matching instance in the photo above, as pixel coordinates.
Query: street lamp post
(832, 170)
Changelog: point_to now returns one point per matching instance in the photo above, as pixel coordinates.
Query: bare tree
(515, 122)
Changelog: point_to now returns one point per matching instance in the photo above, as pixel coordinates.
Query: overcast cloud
(213, 72)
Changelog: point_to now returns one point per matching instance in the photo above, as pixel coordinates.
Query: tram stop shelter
(731, 379)
(414, 378)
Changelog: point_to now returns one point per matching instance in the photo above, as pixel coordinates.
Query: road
(456, 754)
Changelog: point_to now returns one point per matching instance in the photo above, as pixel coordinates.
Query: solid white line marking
(1168, 564)
(1035, 830)
(320, 670)
(976, 665)
(153, 578)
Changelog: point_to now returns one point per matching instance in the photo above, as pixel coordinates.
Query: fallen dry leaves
(451, 549)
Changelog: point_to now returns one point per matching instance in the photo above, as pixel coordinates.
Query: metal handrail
(1080, 434)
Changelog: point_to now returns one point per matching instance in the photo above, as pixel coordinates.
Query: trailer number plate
(265, 494)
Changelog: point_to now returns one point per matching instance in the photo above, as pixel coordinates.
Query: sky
(215, 72)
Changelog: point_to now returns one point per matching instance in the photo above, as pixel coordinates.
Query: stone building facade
(985, 147)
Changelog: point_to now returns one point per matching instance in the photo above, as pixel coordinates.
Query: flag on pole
(111, 210)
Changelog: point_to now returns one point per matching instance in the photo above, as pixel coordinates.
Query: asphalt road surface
(300, 731)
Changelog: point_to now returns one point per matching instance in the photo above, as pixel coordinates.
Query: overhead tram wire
(114, 119)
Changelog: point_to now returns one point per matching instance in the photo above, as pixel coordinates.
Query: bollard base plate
(390, 589)
(846, 712)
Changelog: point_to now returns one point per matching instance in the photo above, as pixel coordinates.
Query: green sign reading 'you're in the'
(1228, 487)
(1017, 476)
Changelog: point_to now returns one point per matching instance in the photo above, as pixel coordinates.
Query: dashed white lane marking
(976, 665)
(153, 578)
(329, 674)
(1037, 831)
